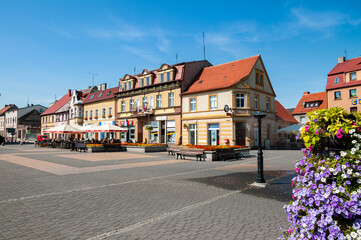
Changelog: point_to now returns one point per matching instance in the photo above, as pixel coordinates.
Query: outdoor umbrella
(64, 129)
(290, 129)
(107, 128)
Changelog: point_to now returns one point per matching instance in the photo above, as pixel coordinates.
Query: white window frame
(170, 99)
(240, 97)
(193, 104)
(213, 102)
(159, 101)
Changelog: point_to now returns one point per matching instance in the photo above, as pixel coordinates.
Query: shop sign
(354, 101)
(161, 118)
(127, 123)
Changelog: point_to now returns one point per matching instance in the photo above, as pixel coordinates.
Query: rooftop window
(100, 94)
(337, 80)
(109, 92)
(92, 96)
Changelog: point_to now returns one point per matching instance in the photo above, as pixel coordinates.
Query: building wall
(107, 119)
(11, 121)
(346, 101)
(47, 121)
(163, 113)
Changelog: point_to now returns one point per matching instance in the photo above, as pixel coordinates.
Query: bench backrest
(82, 145)
(175, 147)
(191, 150)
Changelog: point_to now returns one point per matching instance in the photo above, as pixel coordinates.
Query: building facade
(219, 106)
(29, 120)
(8, 122)
(76, 107)
(149, 104)
(99, 109)
(56, 114)
(308, 103)
(344, 85)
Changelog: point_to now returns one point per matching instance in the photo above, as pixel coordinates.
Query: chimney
(69, 92)
(306, 93)
(6, 105)
(341, 59)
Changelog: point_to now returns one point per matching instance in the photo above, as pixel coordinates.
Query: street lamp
(260, 179)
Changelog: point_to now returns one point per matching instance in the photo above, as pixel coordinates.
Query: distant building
(8, 121)
(29, 120)
(99, 109)
(56, 114)
(344, 86)
(283, 119)
(308, 103)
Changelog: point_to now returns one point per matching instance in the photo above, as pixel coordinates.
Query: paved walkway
(58, 194)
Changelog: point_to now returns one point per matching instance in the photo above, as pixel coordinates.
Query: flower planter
(96, 149)
(212, 156)
(146, 148)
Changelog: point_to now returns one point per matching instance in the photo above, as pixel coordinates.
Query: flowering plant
(143, 144)
(95, 145)
(327, 195)
(109, 116)
(148, 127)
(212, 147)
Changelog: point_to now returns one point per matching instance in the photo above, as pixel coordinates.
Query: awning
(108, 128)
(290, 129)
(63, 129)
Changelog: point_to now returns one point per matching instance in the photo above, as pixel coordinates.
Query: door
(213, 134)
(240, 133)
(162, 132)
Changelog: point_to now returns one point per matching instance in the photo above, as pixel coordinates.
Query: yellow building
(153, 98)
(99, 109)
(242, 87)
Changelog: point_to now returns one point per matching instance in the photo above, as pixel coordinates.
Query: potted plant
(148, 127)
(95, 117)
(109, 116)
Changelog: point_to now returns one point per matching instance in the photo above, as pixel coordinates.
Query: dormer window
(148, 81)
(130, 85)
(336, 81)
(162, 77)
(353, 76)
(125, 87)
(142, 82)
(109, 92)
(168, 76)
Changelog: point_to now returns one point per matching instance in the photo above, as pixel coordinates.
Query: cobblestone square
(56, 194)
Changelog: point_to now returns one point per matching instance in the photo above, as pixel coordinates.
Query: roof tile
(283, 113)
(310, 97)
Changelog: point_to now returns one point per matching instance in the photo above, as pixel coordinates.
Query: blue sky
(48, 47)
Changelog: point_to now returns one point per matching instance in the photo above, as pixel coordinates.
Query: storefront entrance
(240, 133)
(213, 134)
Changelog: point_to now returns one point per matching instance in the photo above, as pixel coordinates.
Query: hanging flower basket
(148, 127)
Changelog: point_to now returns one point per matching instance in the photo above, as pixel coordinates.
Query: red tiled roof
(347, 66)
(57, 105)
(4, 109)
(223, 75)
(310, 97)
(283, 113)
(339, 70)
(101, 95)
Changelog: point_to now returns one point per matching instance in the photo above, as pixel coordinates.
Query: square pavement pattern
(58, 194)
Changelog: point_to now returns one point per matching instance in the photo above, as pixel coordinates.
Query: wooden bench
(191, 152)
(246, 154)
(222, 152)
(81, 146)
(173, 149)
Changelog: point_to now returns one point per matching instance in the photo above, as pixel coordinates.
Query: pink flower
(290, 230)
(340, 131)
(339, 135)
(316, 131)
(297, 170)
(306, 128)
(293, 197)
(310, 148)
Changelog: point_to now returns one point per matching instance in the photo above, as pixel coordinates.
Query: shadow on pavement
(279, 183)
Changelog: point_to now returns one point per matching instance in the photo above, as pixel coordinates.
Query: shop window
(213, 134)
(170, 131)
(353, 109)
(154, 132)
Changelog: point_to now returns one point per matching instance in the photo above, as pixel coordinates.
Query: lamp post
(260, 179)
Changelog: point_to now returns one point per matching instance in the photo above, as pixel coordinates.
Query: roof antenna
(176, 57)
(204, 48)
(345, 51)
(27, 104)
(135, 70)
(55, 97)
(93, 74)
